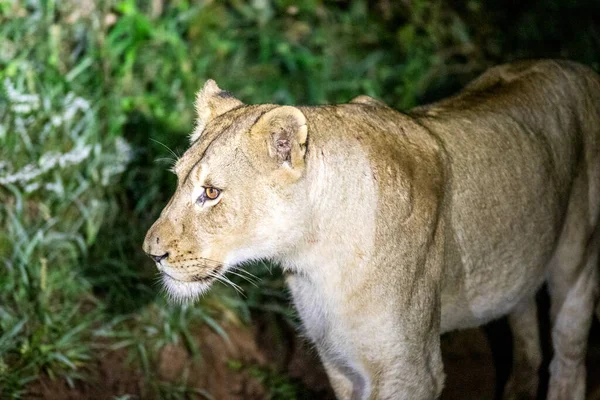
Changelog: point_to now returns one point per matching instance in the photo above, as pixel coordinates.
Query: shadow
(500, 342)
(543, 305)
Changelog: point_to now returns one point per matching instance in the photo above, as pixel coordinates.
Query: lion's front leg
(346, 383)
(397, 363)
(376, 360)
(372, 346)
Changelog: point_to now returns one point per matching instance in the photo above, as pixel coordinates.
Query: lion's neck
(340, 232)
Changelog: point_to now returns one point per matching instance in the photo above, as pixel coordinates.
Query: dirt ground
(474, 361)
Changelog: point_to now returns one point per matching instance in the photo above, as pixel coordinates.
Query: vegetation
(95, 94)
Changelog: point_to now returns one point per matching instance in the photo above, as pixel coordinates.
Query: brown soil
(468, 360)
(108, 377)
(113, 376)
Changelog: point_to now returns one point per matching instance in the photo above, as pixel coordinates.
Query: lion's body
(522, 147)
(394, 228)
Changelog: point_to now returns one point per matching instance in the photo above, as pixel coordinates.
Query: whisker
(166, 147)
(233, 285)
(221, 282)
(216, 276)
(234, 269)
(225, 283)
(247, 279)
(215, 262)
(242, 269)
(158, 280)
(224, 279)
(168, 160)
(208, 261)
(269, 266)
(249, 276)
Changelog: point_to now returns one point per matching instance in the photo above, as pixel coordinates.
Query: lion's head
(239, 191)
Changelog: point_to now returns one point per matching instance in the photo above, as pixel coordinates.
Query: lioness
(394, 228)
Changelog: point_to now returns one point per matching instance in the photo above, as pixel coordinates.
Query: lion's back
(522, 87)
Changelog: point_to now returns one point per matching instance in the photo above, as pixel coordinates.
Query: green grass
(92, 96)
(279, 386)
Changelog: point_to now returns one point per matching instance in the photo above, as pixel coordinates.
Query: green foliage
(92, 93)
(278, 386)
(57, 179)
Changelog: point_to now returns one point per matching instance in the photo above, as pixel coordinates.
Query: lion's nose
(158, 259)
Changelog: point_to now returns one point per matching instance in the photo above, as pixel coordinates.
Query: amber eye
(211, 193)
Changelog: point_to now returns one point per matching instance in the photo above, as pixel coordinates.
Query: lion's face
(238, 193)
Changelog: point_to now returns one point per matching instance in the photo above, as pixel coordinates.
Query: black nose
(158, 258)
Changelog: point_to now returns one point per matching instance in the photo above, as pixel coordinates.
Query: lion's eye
(211, 193)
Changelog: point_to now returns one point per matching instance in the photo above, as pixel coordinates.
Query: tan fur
(394, 228)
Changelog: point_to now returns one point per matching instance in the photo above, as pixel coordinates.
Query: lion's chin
(183, 292)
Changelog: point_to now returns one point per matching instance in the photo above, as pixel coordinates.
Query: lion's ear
(211, 102)
(279, 138)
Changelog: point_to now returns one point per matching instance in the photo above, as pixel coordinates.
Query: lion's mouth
(212, 275)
